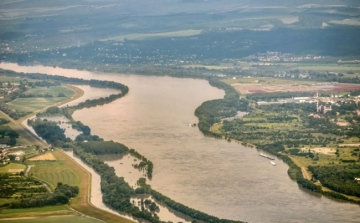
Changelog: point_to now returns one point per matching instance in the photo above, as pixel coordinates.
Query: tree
(12, 157)
(53, 110)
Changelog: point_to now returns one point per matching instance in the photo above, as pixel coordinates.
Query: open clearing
(45, 156)
(143, 36)
(35, 104)
(54, 219)
(323, 150)
(350, 145)
(15, 170)
(268, 85)
(12, 168)
(34, 212)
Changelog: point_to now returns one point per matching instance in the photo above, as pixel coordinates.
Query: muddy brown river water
(223, 179)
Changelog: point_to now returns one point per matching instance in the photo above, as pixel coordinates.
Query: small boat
(273, 163)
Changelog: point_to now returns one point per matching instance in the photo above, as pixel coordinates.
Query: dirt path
(305, 173)
(304, 170)
(24, 132)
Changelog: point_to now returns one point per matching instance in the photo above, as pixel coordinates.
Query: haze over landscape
(179, 111)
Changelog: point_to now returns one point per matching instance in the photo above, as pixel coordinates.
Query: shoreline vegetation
(208, 114)
(116, 192)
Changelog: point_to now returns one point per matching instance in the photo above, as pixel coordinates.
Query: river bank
(215, 177)
(83, 202)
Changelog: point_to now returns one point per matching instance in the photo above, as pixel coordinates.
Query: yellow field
(15, 170)
(45, 156)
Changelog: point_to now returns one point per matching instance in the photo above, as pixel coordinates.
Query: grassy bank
(66, 169)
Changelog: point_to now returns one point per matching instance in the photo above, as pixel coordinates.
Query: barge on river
(266, 156)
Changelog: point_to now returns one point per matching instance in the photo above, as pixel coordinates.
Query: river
(223, 179)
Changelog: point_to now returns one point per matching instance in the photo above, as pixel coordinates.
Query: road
(24, 132)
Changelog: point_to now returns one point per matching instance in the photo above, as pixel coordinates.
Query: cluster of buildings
(320, 109)
(8, 88)
(278, 57)
(4, 155)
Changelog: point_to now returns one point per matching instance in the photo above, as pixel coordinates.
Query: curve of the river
(223, 179)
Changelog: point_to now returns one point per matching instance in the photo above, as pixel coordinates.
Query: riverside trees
(61, 195)
(283, 129)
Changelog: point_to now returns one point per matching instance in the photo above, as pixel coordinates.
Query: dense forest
(103, 147)
(49, 131)
(339, 178)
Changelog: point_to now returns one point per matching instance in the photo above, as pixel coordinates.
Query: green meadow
(55, 219)
(12, 166)
(31, 213)
(38, 103)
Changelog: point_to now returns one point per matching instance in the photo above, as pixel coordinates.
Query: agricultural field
(55, 219)
(15, 185)
(38, 103)
(271, 85)
(54, 171)
(10, 79)
(326, 156)
(43, 157)
(267, 81)
(65, 170)
(12, 168)
(15, 215)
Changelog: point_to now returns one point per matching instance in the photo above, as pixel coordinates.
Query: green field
(33, 212)
(10, 79)
(53, 172)
(5, 169)
(327, 159)
(34, 104)
(55, 219)
(53, 90)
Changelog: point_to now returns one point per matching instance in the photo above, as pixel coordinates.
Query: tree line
(339, 178)
(61, 195)
(211, 112)
(116, 192)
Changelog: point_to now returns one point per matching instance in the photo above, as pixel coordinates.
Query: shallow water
(63, 123)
